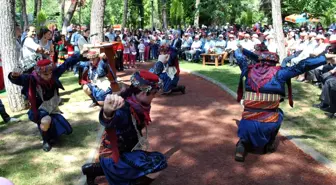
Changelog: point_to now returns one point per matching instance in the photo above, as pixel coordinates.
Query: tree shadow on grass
(71, 91)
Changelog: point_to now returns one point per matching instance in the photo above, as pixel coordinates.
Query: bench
(207, 59)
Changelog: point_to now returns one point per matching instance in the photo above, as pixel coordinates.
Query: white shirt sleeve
(29, 43)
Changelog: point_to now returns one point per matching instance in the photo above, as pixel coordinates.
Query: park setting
(167, 92)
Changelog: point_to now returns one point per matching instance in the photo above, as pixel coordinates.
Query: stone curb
(93, 153)
(305, 148)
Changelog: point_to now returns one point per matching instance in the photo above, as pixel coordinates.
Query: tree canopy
(182, 12)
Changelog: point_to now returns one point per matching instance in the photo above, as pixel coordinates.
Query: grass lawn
(303, 122)
(25, 163)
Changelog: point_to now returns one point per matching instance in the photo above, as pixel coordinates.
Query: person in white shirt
(290, 43)
(272, 47)
(309, 49)
(230, 48)
(299, 46)
(320, 47)
(255, 39)
(141, 48)
(126, 53)
(247, 43)
(84, 39)
(82, 66)
(195, 49)
(30, 51)
(220, 45)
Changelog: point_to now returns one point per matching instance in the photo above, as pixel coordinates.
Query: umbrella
(294, 18)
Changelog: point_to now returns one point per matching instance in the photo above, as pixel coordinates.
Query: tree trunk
(9, 53)
(24, 14)
(35, 8)
(277, 25)
(97, 20)
(142, 14)
(39, 6)
(196, 19)
(164, 14)
(62, 10)
(124, 20)
(68, 16)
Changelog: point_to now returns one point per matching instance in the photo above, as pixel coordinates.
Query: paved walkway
(198, 133)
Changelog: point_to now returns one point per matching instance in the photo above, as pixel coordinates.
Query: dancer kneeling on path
(167, 68)
(264, 89)
(98, 85)
(43, 94)
(123, 156)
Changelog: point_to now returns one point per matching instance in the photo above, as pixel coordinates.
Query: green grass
(303, 122)
(25, 163)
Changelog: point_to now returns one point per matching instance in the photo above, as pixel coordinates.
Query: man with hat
(97, 85)
(123, 157)
(220, 44)
(209, 44)
(196, 49)
(255, 39)
(230, 48)
(247, 42)
(42, 88)
(264, 89)
(300, 46)
(327, 75)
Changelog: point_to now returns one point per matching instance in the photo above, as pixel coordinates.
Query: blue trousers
(3, 113)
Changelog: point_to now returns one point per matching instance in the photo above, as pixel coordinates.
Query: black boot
(179, 88)
(271, 145)
(144, 180)
(94, 101)
(92, 170)
(46, 142)
(240, 151)
(182, 89)
(46, 146)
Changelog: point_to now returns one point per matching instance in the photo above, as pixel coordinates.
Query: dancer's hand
(112, 103)
(16, 72)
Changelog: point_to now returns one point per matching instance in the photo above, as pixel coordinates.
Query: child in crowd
(141, 48)
(133, 55)
(126, 52)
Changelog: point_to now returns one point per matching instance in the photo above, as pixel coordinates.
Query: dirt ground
(198, 132)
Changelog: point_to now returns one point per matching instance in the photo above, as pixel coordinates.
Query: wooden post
(203, 57)
(216, 60)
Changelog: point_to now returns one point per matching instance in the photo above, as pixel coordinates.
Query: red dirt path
(198, 133)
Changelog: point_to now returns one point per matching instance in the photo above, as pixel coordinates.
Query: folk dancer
(97, 86)
(167, 68)
(43, 94)
(123, 156)
(264, 86)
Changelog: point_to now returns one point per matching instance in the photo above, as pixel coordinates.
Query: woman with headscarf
(264, 89)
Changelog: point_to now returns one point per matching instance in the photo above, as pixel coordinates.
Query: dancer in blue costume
(42, 88)
(264, 89)
(167, 68)
(123, 156)
(98, 85)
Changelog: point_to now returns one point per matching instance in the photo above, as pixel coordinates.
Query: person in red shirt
(119, 48)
